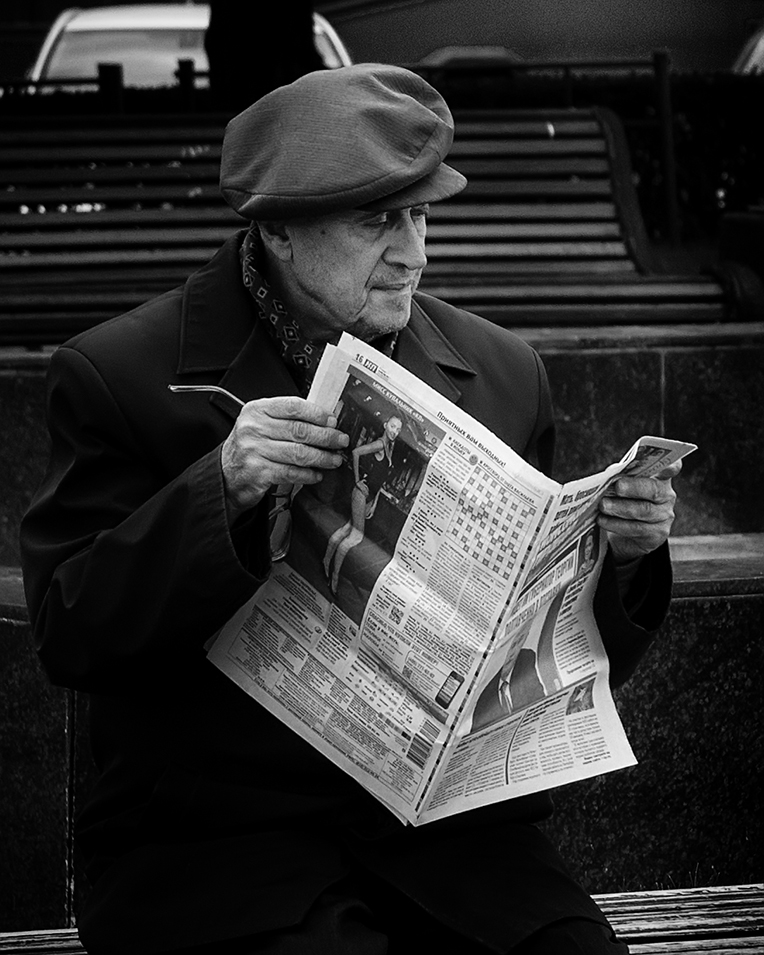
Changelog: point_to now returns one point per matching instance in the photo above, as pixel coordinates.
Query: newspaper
(431, 628)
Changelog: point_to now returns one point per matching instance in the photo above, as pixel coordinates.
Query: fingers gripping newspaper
(431, 629)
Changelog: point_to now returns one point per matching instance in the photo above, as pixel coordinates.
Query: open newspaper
(431, 628)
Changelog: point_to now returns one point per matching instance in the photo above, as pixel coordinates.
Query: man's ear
(276, 239)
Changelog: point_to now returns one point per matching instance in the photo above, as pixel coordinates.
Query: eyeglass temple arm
(214, 388)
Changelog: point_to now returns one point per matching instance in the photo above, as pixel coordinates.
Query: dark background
(701, 34)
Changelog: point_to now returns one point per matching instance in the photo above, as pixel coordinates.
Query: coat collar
(240, 349)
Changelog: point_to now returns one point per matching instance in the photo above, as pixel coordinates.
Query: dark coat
(210, 818)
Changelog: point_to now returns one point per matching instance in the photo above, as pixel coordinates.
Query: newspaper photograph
(430, 629)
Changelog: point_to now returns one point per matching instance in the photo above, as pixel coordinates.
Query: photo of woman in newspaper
(372, 467)
(346, 528)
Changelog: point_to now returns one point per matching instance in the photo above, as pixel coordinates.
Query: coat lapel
(236, 353)
(425, 351)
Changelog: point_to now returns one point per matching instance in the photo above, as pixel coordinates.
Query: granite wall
(23, 439)
(698, 384)
(35, 783)
(703, 384)
(691, 812)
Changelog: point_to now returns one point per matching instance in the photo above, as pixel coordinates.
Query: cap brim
(442, 183)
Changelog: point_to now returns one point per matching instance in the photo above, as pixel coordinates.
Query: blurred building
(701, 34)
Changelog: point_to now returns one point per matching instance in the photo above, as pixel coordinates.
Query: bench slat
(585, 314)
(683, 921)
(21, 222)
(633, 289)
(471, 273)
(532, 187)
(198, 172)
(504, 125)
(502, 167)
(83, 259)
(204, 192)
(113, 134)
(473, 211)
(52, 152)
(718, 946)
(509, 147)
(41, 942)
(190, 234)
(716, 895)
(479, 232)
(528, 250)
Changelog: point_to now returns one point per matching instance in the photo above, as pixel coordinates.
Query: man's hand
(278, 441)
(637, 513)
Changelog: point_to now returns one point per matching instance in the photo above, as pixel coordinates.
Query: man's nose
(407, 244)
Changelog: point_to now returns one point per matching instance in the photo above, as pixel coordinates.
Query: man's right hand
(278, 441)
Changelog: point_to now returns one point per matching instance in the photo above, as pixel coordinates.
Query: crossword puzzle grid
(489, 524)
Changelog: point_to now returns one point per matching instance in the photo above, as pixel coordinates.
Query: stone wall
(703, 384)
(691, 812)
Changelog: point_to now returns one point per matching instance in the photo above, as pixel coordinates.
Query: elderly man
(212, 827)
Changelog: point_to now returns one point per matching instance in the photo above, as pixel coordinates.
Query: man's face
(354, 271)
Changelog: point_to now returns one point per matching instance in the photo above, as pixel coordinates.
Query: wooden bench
(720, 920)
(725, 919)
(549, 231)
(96, 218)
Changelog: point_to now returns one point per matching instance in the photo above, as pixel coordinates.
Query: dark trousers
(374, 919)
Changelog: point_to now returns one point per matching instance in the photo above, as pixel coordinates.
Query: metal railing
(109, 84)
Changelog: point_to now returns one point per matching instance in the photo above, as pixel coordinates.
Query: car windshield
(751, 60)
(327, 50)
(148, 57)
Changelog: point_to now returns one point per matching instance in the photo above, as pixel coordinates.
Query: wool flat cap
(363, 136)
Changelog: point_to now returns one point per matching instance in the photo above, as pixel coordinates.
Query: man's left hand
(637, 513)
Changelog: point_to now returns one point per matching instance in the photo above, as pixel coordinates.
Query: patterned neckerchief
(299, 353)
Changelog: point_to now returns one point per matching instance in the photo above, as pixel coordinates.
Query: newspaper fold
(431, 629)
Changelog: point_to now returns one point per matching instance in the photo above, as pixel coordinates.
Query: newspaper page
(420, 581)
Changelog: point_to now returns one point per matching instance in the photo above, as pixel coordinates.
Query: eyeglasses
(280, 513)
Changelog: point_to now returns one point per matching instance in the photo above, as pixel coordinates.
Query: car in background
(751, 57)
(148, 39)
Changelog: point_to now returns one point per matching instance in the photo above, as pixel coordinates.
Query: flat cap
(364, 136)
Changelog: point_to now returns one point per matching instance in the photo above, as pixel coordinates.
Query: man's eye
(420, 212)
